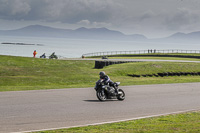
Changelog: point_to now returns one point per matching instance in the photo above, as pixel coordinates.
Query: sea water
(75, 48)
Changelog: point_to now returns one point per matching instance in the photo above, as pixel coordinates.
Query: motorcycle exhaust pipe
(120, 93)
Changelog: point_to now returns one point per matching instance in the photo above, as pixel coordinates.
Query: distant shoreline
(21, 44)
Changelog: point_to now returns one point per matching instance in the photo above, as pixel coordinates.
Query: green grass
(158, 54)
(21, 73)
(119, 72)
(179, 123)
(179, 54)
(155, 56)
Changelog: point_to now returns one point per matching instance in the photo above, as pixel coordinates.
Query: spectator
(34, 53)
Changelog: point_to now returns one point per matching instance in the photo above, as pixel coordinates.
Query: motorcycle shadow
(108, 100)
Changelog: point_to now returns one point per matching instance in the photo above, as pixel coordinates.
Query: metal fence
(149, 51)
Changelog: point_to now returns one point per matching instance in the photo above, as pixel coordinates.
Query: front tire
(121, 95)
(101, 95)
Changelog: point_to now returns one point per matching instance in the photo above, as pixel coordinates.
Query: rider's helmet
(102, 74)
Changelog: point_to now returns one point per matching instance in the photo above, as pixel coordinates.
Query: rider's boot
(116, 88)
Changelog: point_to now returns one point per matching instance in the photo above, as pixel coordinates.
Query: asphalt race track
(47, 109)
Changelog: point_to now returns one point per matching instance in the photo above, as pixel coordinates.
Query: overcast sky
(152, 18)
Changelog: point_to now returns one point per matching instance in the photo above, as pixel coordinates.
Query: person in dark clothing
(106, 80)
(43, 56)
(53, 56)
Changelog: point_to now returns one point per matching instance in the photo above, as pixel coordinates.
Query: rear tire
(121, 97)
(101, 95)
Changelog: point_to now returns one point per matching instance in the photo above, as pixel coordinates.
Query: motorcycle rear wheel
(101, 95)
(121, 97)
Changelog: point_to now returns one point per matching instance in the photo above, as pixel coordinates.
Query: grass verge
(21, 73)
(179, 123)
(159, 56)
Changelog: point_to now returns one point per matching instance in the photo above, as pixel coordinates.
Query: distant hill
(183, 37)
(80, 33)
(96, 33)
(36, 31)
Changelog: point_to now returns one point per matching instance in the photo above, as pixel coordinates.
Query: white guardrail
(149, 51)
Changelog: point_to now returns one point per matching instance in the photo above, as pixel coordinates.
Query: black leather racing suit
(107, 80)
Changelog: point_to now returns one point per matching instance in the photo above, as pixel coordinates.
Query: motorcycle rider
(43, 56)
(106, 80)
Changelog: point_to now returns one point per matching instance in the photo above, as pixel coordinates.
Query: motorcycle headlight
(103, 87)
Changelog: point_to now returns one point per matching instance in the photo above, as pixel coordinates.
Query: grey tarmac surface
(47, 109)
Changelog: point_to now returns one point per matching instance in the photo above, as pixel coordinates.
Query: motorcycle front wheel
(121, 95)
(101, 95)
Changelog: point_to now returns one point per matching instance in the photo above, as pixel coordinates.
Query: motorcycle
(105, 92)
(52, 56)
(43, 56)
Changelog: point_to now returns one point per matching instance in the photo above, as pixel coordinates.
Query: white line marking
(101, 123)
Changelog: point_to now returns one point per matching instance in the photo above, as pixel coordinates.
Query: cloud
(87, 23)
(84, 22)
(131, 16)
(147, 15)
(182, 19)
(14, 8)
(68, 11)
